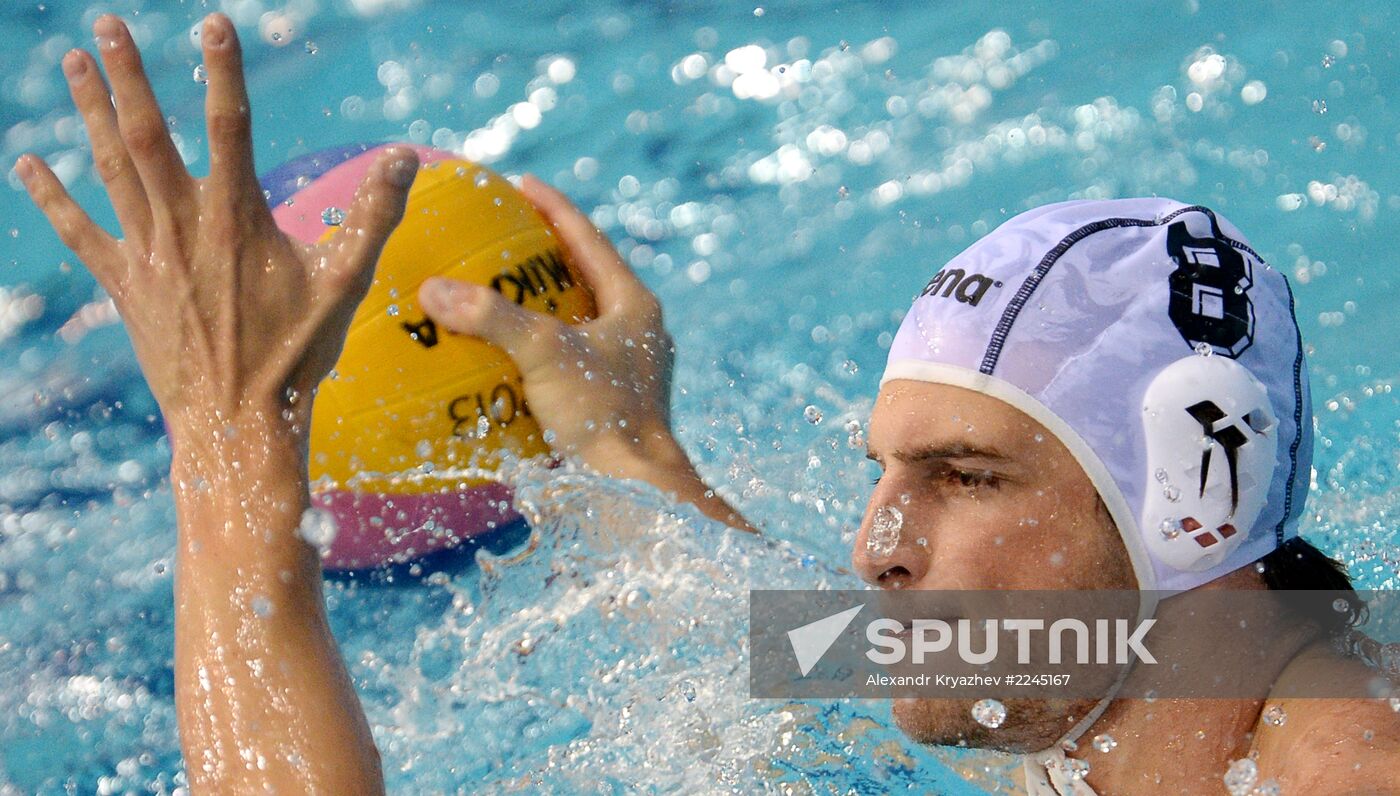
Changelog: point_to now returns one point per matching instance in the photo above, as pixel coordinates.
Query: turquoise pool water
(785, 177)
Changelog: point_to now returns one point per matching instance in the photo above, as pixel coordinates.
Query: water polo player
(1040, 375)
(1048, 419)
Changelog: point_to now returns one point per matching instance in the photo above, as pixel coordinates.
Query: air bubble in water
(812, 415)
(317, 528)
(1105, 743)
(884, 530)
(201, 75)
(989, 713)
(332, 216)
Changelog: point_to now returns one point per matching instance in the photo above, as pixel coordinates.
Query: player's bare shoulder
(1329, 746)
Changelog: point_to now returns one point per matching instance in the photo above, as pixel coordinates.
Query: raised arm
(602, 389)
(234, 325)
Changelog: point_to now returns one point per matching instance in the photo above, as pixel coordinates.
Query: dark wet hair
(1298, 565)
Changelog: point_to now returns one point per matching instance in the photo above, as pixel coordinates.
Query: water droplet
(1341, 606)
(317, 528)
(303, 180)
(1162, 476)
(1170, 529)
(884, 530)
(1275, 716)
(1328, 60)
(849, 367)
(481, 179)
(332, 216)
(1076, 769)
(989, 713)
(1241, 776)
(201, 75)
(812, 414)
(1395, 704)
(855, 436)
(262, 607)
(843, 192)
(1268, 787)
(1171, 493)
(1204, 349)
(1105, 743)
(1319, 106)
(392, 310)
(311, 48)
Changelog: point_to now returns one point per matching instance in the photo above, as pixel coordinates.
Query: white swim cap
(1162, 351)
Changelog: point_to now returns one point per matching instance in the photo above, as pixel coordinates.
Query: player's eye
(972, 479)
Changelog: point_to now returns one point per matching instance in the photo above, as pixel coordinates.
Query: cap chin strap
(1047, 773)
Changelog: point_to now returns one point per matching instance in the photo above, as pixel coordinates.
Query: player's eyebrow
(944, 452)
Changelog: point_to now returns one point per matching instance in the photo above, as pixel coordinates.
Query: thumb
(531, 338)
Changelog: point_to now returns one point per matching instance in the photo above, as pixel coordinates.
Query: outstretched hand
(234, 325)
(602, 389)
(227, 314)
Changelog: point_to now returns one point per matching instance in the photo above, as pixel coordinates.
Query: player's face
(984, 498)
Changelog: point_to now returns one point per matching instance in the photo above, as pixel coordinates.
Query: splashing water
(885, 529)
(1241, 776)
(318, 528)
(989, 713)
(808, 182)
(332, 216)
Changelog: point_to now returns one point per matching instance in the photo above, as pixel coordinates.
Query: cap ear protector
(1212, 445)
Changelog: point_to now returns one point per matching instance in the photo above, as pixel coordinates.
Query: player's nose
(885, 554)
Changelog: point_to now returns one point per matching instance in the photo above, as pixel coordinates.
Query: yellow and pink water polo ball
(408, 405)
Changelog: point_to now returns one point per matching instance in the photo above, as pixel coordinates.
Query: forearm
(262, 695)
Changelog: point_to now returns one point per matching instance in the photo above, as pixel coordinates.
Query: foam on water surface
(786, 183)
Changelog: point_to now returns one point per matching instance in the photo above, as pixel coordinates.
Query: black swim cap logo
(1210, 292)
(956, 283)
